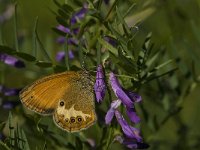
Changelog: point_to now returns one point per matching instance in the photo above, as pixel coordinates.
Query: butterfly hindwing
(76, 110)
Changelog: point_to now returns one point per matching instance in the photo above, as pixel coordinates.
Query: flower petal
(110, 113)
(100, 86)
(131, 143)
(63, 29)
(12, 61)
(109, 116)
(78, 15)
(124, 98)
(119, 92)
(60, 56)
(132, 115)
(129, 131)
(134, 96)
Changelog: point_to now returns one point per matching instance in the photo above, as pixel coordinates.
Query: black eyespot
(62, 103)
(31, 96)
(72, 120)
(66, 120)
(79, 119)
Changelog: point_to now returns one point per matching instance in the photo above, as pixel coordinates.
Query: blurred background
(170, 107)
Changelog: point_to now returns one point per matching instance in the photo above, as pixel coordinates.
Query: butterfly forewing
(43, 95)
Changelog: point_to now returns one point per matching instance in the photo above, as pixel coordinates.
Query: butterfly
(68, 96)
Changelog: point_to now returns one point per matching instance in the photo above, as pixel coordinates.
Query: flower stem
(109, 12)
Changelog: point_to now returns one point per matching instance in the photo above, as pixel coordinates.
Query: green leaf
(43, 64)
(11, 130)
(63, 14)
(127, 63)
(129, 9)
(61, 33)
(67, 8)
(57, 3)
(125, 26)
(79, 143)
(108, 46)
(25, 56)
(7, 50)
(117, 35)
(2, 125)
(3, 146)
(153, 76)
(26, 146)
(62, 21)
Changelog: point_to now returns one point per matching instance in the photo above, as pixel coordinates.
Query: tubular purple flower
(110, 113)
(12, 61)
(128, 130)
(131, 143)
(63, 29)
(127, 97)
(62, 40)
(100, 86)
(132, 115)
(110, 40)
(10, 104)
(79, 15)
(9, 91)
(119, 92)
(133, 96)
(61, 55)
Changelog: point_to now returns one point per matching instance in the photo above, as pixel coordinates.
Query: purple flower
(10, 104)
(70, 41)
(100, 86)
(128, 98)
(132, 138)
(2, 137)
(111, 40)
(63, 29)
(12, 61)
(61, 55)
(132, 115)
(79, 15)
(110, 113)
(7, 14)
(131, 143)
(119, 92)
(9, 91)
(128, 130)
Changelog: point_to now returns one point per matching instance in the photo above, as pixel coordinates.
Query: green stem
(108, 143)
(1, 39)
(98, 54)
(111, 9)
(15, 28)
(99, 4)
(66, 54)
(34, 38)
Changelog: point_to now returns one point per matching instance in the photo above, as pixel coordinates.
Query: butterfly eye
(72, 120)
(62, 103)
(79, 119)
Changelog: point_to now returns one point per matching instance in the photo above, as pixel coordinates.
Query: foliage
(148, 57)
